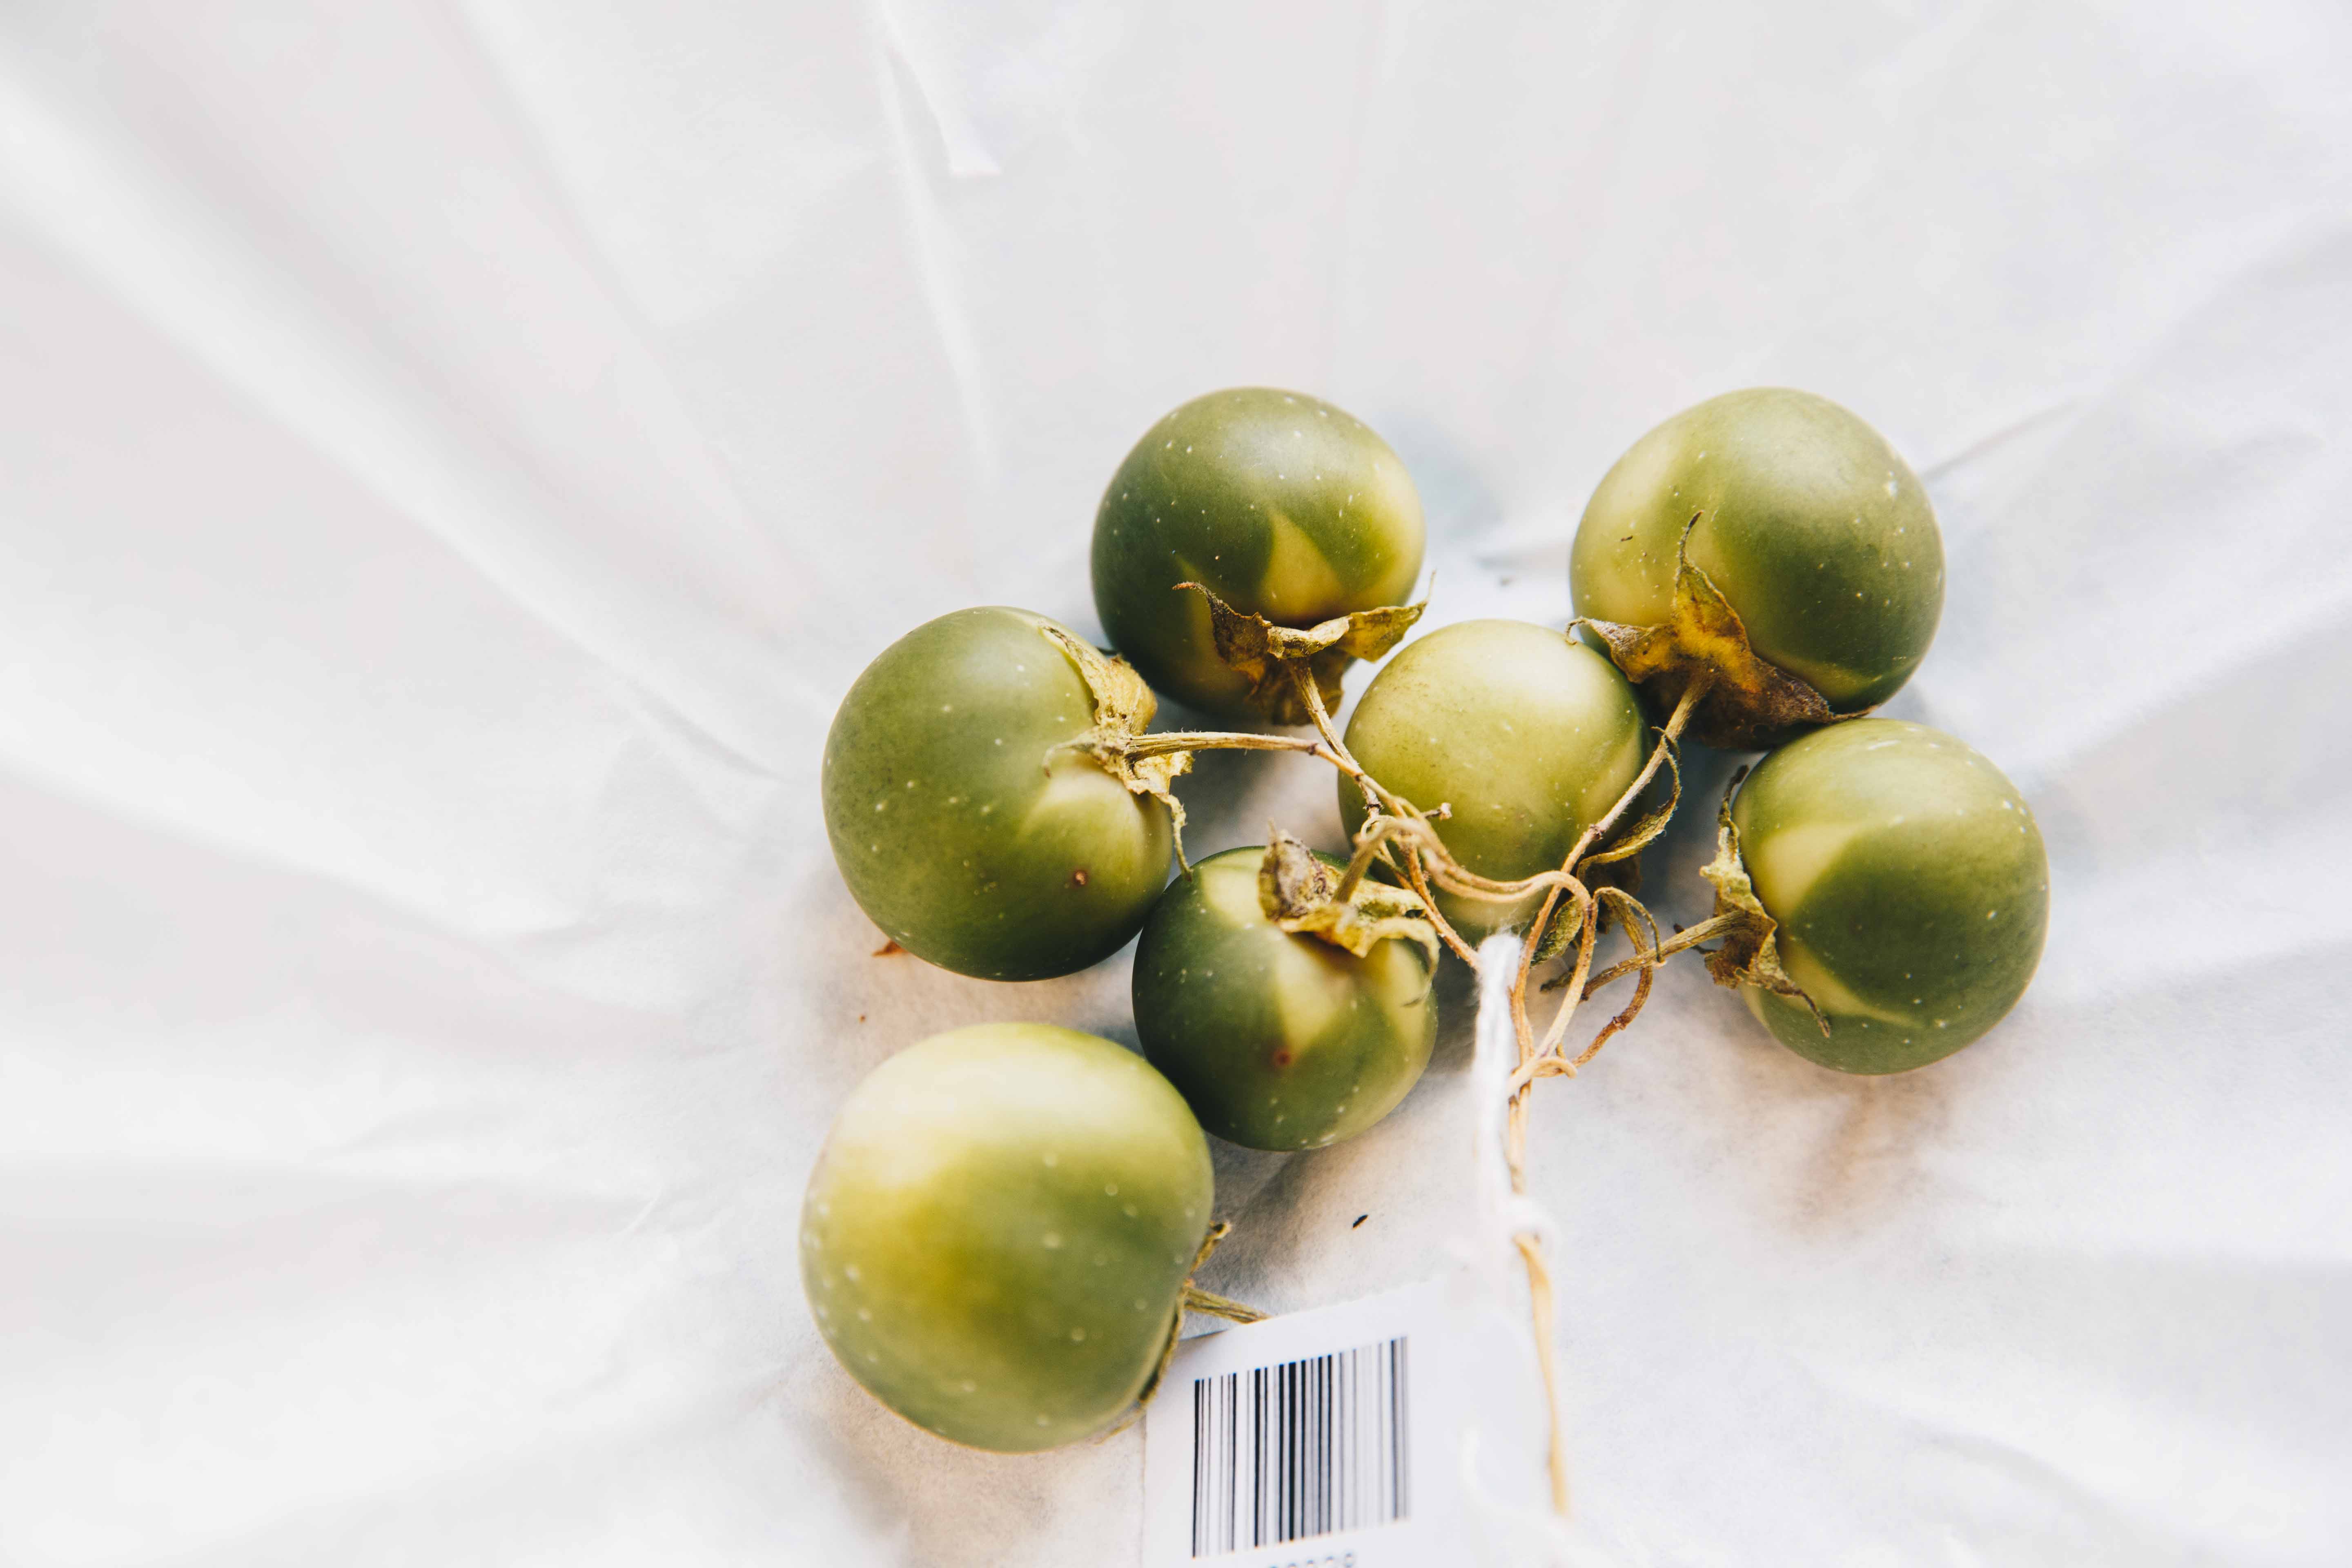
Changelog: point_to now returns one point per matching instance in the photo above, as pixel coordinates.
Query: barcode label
(1301, 1448)
(1328, 1435)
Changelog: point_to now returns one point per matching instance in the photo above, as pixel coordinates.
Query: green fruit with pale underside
(1911, 887)
(1280, 504)
(965, 826)
(1527, 735)
(996, 1239)
(1814, 529)
(1277, 1040)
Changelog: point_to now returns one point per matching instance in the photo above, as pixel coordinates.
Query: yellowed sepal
(1749, 952)
(1264, 653)
(1300, 894)
(1124, 707)
(1750, 703)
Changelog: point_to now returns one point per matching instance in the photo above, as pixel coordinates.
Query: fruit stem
(1369, 840)
(1540, 1303)
(1681, 942)
(1379, 802)
(1199, 1300)
(1169, 741)
(1692, 693)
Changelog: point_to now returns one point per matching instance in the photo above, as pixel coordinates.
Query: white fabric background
(453, 459)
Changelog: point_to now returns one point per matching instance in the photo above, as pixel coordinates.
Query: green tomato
(1280, 504)
(1529, 735)
(1911, 888)
(1810, 524)
(962, 823)
(1276, 1040)
(996, 1236)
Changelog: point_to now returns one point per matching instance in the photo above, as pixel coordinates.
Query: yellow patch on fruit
(1300, 585)
(1786, 864)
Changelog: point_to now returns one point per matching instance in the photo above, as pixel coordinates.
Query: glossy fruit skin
(961, 829)
(998, 1231)
(1279, 504)
(1911, 886)
(1813, 528)
(1276, 1040)
(1529, 735)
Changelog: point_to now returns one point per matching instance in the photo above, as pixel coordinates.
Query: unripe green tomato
(962, 827)
(1276, 1040)
(1810, 524)
(1911, 888)
(997, 1233)
(1529, 735)
(1280, 504)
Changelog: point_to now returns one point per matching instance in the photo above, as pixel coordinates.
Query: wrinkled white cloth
(454, 459)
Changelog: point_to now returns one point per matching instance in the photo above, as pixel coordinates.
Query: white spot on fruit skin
(1053, 1241)
(1076, 1335)
(1052, 1159)
(853, 1272)
(1110, 1189)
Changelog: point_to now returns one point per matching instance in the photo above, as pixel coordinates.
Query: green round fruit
(1527, 735)
(1276, 1040)
(1818, 534)
(1912, 891)
(996, 1236)
(964, 827)
(1280, 504)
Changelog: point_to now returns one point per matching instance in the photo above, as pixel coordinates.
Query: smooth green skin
(961, 830)
(998, 1231)
(1912, 889)
(1276, 1041)
(1529, 735)
(1818, 533)
(1279, 504)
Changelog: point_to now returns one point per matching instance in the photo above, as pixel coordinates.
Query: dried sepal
(1558, 934)
(1641, 930)
(1749, 702)
(1124, 706)
(1264, 652)
(1301, 894)
(1750, 951)
(1652, 823)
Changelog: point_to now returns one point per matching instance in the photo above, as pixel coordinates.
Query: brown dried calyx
(1302, 895)
(1750, 951)
(1123, 709)
(1749, 703)
(1265, 654)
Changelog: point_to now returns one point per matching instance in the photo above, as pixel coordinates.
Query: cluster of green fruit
(998, 1238)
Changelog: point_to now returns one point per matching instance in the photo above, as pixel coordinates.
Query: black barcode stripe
(1301, 1448)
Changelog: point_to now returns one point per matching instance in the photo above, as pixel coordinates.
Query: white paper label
(1322, 1439)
